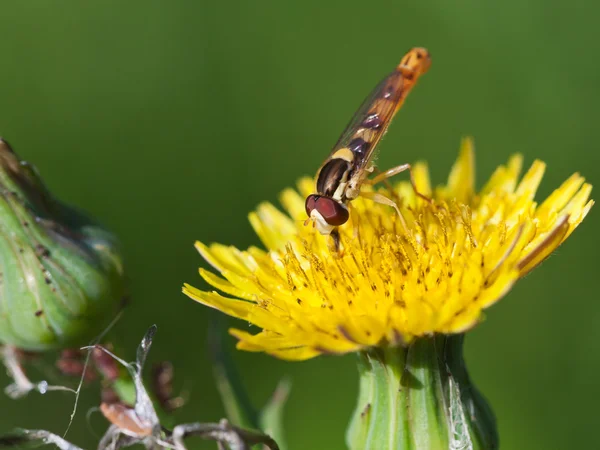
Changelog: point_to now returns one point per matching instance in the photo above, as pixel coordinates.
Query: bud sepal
(419, 397)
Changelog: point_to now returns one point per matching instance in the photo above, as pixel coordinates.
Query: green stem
(419, 397)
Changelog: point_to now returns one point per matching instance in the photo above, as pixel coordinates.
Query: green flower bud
(61, 274)
(420, 397)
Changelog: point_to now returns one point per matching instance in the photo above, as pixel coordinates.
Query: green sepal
(238, 407)
(271, 416)
(419, 397)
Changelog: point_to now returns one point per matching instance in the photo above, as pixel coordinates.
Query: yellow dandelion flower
(390, 285)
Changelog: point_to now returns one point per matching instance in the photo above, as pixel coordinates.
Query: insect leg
(385, 180)
(335, 240)
(395, 171)
(382, 199)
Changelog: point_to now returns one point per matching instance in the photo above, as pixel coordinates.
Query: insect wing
(380, 105)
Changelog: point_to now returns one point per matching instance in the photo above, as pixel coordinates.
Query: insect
(340, 178)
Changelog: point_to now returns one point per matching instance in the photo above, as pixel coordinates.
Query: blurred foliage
(169, 121)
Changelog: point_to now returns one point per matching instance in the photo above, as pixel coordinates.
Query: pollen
(387, 285)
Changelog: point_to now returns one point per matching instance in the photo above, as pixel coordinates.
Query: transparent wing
(383, 101)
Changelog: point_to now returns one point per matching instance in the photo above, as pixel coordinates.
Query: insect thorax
(333, 177)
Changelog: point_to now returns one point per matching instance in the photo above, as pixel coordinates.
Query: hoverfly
(340, 178)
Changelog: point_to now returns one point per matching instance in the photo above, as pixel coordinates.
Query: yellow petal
(560, 197)
(542, 249)
(461, 182)
(235, 308)
(531, 180)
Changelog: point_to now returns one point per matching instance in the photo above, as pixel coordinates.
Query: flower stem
(419, 397)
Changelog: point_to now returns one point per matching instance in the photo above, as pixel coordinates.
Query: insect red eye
(334, 212)
(311, 202)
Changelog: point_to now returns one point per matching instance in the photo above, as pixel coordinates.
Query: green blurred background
(170, 121)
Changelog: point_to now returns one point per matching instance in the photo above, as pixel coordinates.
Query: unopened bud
(61, 274)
